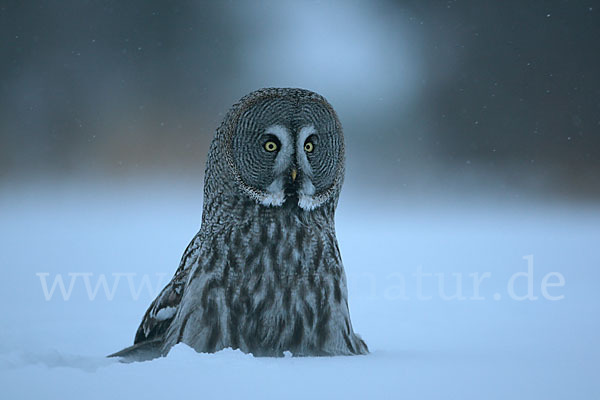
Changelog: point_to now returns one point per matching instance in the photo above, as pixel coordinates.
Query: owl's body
(264, 274)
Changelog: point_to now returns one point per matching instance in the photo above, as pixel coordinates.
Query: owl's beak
(294, 174)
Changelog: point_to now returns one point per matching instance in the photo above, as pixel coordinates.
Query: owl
(264, 274)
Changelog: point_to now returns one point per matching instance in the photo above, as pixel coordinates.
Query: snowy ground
(485, 345)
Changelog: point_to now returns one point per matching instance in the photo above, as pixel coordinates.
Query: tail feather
(143, 351)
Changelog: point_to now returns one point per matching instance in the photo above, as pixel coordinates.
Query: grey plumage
(264, 274)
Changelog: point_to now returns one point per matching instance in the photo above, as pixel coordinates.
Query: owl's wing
(157, 319)
(161, 312)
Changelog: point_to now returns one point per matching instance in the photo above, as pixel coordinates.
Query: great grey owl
(264, 273)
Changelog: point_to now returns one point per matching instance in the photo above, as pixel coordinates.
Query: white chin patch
(305, 198)
(275, 195)
(307, 203)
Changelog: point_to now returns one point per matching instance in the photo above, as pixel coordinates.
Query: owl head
(283, 146)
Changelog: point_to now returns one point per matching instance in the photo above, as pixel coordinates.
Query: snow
(405, 260)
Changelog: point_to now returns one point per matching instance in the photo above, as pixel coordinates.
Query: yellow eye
(309, 147)
(270, 146)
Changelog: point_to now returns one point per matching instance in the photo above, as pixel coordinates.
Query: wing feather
(162, 311)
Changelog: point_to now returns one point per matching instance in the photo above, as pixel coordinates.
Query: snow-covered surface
(490, 348)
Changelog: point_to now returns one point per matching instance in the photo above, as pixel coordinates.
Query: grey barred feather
(264, 274)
